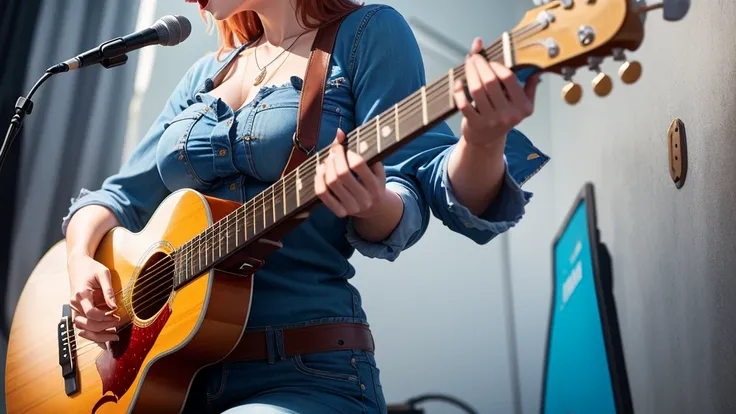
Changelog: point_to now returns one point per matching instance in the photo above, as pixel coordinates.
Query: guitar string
(409, 106)
(162, 290)
(149, 277)
(261, 197)
(460, 73)
(158, 293)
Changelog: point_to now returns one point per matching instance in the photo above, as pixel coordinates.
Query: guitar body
(173, 335)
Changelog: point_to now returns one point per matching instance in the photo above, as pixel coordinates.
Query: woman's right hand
(91, 287)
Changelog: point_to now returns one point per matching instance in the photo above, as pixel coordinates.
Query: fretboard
(294, 192)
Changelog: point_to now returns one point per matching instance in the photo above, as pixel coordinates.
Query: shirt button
(181, 156)
(246, 138)
(263, 106)
(233, 186)
(362, 387)
(222, 152)
(468, 224)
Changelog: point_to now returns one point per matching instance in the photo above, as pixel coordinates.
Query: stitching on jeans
(221, 389)
(299, 366)
(354, 363)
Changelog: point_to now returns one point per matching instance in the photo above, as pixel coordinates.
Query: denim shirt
(199, 142)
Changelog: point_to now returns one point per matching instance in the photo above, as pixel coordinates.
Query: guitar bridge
(67, 351)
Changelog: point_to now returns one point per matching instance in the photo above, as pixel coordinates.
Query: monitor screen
(577, 378)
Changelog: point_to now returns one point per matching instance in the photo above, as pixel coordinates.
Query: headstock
(562, 36)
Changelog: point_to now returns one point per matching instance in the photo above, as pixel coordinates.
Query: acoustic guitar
(182, 311)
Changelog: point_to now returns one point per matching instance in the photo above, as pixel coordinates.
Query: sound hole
(153, 285)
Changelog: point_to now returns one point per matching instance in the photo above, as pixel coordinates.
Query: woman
(226, 131)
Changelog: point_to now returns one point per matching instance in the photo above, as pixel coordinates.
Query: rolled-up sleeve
(406, 231)
(134, 192)
(505, 211)
(387, 68)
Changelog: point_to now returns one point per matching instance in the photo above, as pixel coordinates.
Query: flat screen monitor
(584, 366)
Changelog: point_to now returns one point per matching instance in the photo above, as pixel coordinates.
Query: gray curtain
(74, 137)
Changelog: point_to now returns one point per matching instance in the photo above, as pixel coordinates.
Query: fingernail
(117, 338)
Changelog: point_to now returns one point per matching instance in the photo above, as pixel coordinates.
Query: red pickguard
(119, 365)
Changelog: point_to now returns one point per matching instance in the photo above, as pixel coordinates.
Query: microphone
(166, 31)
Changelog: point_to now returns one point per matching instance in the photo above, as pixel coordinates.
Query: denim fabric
(343, 382)
(199, 142)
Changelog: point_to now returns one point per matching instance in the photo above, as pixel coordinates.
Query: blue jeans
(342, 382)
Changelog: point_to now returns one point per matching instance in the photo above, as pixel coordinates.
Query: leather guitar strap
(313, 93)
(250, 259)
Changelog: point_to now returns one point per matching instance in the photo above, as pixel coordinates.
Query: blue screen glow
(578, 379)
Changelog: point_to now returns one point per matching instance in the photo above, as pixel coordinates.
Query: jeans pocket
(216, 381)
(331, 367)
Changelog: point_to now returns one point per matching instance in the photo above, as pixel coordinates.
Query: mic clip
(113, 53)
(112, 62)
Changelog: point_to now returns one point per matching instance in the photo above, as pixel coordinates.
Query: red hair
(312, 14)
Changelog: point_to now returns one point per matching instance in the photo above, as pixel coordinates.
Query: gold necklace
(262, 75)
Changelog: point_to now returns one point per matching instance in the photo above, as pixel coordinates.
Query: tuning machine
(571, 92)
(630, 71)
(602, 84)
(673, 10)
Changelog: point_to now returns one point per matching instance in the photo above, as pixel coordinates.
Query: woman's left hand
(340, 190)
(493, 113)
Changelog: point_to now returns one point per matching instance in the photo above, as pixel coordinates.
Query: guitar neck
(294, 192)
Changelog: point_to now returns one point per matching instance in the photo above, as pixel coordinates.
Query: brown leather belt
(313, 339)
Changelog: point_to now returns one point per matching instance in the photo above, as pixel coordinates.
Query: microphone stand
(24, 105)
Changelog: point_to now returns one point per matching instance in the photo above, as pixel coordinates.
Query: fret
(253, 219)
(298, 188)
(222, 235)
(424, 105)
(190, 264)
(236, 238)
(227, 234)
(245, 221)
(378, 143)
(508, 58)
(199, 251)
(396, 121)
(263, 206)
(378, 131)
(177, 273)
(212, 241)
(361, 146)
(273, 203)
(283, 193)
(206, 246)
(451, 87)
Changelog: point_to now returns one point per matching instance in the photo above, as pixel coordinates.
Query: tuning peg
(602, 84)
(571, 92)
(629, 72)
